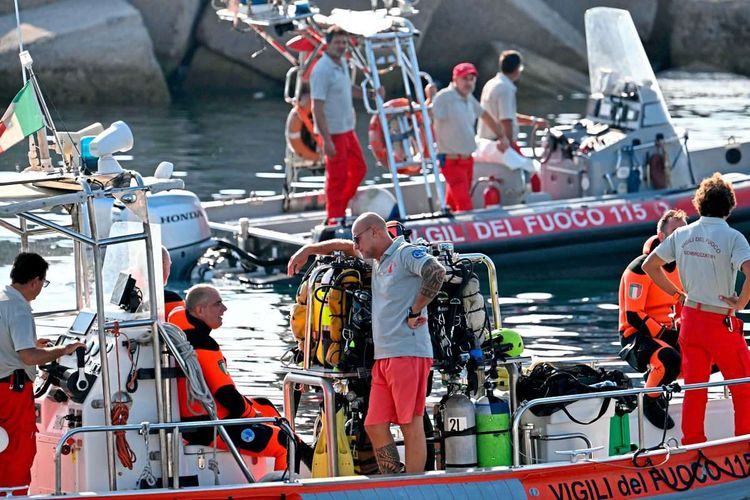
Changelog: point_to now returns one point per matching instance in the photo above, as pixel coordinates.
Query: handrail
(526, 405)
(176, 426)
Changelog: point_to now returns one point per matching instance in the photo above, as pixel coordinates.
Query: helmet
(505, 342)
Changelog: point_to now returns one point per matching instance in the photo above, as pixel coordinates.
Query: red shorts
(399, 390)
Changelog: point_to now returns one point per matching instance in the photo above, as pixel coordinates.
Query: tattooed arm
(432, 280)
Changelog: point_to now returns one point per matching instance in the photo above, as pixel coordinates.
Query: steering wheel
(43, 380)
(535, 144)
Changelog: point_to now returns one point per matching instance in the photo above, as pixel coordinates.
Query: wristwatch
(412, 315)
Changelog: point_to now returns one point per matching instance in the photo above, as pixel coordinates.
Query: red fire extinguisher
(536, 183)
(491, 193)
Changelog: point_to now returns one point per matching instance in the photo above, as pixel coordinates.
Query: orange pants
(18, 418)
(344, 173)
(259, 440)
(458, 175)
(705, 338)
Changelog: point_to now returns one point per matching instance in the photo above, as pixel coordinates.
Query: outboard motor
(459, 432)
(184, 226)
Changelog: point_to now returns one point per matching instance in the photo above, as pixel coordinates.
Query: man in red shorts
(405, 279)
(708, 254)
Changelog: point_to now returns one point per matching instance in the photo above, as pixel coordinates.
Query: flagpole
(20, 39)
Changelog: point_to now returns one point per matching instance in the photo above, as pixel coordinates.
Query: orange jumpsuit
(172, 300)
(259, 440)
(646, 315)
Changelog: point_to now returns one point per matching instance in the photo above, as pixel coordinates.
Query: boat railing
(145, 428)
(638, 392)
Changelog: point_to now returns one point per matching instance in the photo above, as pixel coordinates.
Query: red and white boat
(604, 181)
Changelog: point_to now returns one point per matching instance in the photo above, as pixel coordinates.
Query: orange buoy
(300, 132)
(377, 140)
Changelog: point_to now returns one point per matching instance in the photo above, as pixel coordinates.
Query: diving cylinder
(493, 425)
(459, 431)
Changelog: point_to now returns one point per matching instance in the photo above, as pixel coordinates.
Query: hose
(247, 256)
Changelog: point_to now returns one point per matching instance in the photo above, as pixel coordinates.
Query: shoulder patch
(418, 253)
(635, 291)
(223, 367)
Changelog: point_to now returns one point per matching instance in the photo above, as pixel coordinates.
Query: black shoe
(654, 409)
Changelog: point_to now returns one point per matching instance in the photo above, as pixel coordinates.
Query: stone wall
(124, 51)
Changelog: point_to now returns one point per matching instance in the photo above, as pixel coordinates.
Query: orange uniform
(646, 317)
(252, 439)
(172, 300)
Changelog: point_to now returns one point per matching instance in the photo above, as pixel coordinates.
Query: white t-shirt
(454, 117)
(17, 332)
(499, 99)
(330, 82)
(708, 253)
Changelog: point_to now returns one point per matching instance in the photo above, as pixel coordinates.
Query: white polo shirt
(330, 82)
(17, 332)
(396, 280)
(708, 253)
(455, 117)
(499, 99)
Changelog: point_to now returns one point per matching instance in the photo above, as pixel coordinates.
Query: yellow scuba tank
(320, 457)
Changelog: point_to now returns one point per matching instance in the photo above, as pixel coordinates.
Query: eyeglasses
(356, 238)
(46, 283)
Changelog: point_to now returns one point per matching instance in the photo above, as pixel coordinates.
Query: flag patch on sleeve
(634, 291)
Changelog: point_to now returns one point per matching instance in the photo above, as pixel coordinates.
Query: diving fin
(320, 457)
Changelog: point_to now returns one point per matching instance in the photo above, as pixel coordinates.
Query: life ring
(377, 141)
(300, 132)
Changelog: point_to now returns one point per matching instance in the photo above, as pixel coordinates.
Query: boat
(604, 180)
(84, 451)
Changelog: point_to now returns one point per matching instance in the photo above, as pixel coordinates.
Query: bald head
(370, 235)
(204, 302)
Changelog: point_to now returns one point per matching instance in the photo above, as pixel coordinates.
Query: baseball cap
(463, 69)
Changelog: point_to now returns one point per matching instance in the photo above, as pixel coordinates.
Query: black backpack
(547, 380)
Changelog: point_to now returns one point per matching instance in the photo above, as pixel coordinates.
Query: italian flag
(22, 118)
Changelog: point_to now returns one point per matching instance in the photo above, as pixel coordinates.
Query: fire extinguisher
(491, 193)
(536, 183)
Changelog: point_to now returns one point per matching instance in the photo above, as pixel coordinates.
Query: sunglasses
(356, 238)
(46, 283)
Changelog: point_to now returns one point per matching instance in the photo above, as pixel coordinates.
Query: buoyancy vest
(215, 372)
(644, 307)
(172, 300)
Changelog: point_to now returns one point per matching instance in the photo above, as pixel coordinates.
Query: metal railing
(638, 392)
(176, 428)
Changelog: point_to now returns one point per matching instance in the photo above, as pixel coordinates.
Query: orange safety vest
(644, 306)
(213, 364)
(172, 300)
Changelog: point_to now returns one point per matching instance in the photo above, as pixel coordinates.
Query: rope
(126, 455)
(198, 390)
(120, 413)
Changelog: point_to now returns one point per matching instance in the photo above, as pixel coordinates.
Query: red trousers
(458, 175)
(18, 418)
(706, 339)
(344, 173)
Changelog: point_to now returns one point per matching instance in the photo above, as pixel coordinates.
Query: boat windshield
(615, 52)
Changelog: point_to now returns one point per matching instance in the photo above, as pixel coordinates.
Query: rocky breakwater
(84, 51)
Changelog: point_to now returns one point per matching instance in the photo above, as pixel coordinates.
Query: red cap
(463, 69)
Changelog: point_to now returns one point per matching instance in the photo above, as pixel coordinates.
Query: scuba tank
(459, 432)
(493, 426)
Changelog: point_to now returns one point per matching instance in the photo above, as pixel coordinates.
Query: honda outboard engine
(184, 226)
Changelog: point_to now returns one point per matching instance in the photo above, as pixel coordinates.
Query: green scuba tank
(493, 435)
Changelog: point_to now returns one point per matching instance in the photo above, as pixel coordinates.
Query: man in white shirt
(455, 111)
(331, 91)
(708, 254)
(20, 352)
(499, 99)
